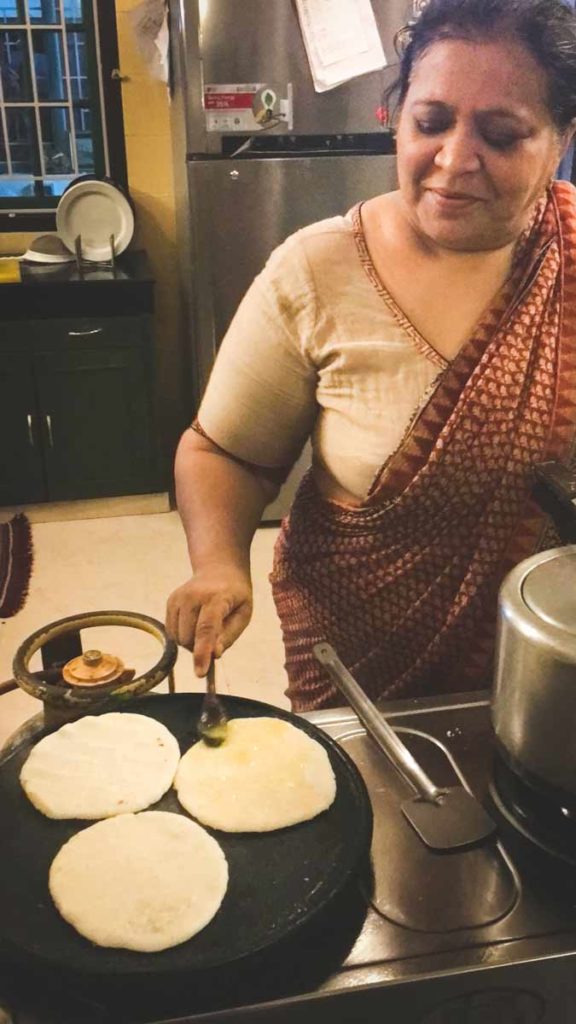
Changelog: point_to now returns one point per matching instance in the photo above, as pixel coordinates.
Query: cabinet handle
(30, 431)
(84, 334)
(49, 429)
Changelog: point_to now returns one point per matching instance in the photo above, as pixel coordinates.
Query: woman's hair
(547, 28)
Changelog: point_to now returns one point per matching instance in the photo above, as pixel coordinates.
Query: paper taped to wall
(150, 26)
(341, 39)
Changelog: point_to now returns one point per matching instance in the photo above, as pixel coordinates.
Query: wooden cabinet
(76, 408)
(21, 465)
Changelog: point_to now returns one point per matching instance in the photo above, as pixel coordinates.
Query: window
(60, 108)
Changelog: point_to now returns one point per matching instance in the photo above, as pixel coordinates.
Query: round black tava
(278, 880)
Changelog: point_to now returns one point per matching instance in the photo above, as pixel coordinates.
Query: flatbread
(266, 775)
(100, 766)
(139, 881)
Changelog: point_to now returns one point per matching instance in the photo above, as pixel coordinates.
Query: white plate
(31, 256)
(95, 210)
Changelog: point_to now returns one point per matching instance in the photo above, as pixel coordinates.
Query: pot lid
(92, 668)
(549, 590)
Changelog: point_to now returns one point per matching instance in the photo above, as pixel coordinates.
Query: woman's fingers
(181, 616)
(208, 634)
(207, 614)
(235, 624)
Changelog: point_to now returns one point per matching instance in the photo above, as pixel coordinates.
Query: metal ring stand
(58, 642)
(83, 264)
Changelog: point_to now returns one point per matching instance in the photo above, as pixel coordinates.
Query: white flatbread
(139, 881)
(100, 766)
(266, 775)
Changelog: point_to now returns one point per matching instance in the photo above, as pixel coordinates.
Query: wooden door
(21, 469)
(95, 421)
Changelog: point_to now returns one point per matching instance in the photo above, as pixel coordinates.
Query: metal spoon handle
(212, 723)
(211, 677)
(376, 725)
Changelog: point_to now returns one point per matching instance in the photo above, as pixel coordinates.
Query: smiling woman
(476, 138)
(427, 342)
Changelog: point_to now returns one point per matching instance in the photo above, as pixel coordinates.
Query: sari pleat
(405, 586)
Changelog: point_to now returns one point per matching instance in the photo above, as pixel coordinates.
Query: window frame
(103, 17)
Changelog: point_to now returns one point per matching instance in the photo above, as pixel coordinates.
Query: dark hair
(547, 28)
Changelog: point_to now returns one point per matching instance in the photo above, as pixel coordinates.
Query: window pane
(73, 11)
(22, 140)
(56, 188)
(16, 187)
(49, 65)
(16, 83)
(84, 140)
(56, 140)
(44, 12)
(11, 10)
(77, 65)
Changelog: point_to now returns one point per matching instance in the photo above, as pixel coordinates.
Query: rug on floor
(15, 564)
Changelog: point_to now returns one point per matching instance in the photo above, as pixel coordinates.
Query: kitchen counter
(63, 289)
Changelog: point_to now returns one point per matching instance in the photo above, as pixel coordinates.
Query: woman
(427, 341)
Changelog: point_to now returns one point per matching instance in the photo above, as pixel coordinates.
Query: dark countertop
(48, 290)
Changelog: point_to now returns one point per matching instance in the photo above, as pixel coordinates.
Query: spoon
(212, 724)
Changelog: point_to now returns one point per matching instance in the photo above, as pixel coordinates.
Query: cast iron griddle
(278, 880)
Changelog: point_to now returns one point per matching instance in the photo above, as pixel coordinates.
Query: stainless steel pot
(534, 705)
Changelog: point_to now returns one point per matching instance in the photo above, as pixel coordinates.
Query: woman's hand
(209, 612)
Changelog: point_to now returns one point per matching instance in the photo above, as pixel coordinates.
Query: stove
(481, 936)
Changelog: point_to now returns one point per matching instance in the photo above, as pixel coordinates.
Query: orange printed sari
(405, 587)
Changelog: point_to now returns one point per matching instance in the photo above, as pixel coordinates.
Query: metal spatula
(445, 819)
(212, 724)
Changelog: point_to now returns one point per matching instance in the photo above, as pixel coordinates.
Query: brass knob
(92, 657)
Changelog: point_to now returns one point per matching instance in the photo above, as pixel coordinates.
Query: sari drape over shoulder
(405, 586)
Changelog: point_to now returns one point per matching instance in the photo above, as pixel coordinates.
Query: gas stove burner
(543, 819)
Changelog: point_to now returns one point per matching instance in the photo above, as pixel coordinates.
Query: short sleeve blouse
(317, 349)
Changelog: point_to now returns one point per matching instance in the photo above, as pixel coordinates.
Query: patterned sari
(405, 587)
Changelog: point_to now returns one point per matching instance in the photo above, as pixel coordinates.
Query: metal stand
(83, 264)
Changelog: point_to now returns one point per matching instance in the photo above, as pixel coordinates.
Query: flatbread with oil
(267, 774)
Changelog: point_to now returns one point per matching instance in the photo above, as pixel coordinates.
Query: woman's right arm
(260, 406)
(220, 500)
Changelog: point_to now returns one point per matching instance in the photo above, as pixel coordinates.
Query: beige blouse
(319, 348)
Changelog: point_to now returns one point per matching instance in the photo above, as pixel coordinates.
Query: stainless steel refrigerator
(260, 153)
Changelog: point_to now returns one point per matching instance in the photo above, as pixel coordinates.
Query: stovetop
(491, 929)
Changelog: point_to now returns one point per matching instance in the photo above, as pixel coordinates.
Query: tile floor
(132, 563)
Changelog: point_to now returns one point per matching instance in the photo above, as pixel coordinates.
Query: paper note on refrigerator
(341, 39)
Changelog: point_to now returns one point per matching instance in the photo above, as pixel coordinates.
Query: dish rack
(83, 264)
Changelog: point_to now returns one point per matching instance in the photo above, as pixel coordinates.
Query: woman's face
(476, 143)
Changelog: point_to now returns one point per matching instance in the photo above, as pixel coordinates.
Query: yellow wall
(150, 177)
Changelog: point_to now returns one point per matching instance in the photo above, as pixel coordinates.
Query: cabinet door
(21, 470)
(95, 421)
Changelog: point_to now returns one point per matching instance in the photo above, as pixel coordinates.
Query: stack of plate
(94, 210)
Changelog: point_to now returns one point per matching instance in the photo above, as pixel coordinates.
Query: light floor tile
(132, 563)
(91, 508)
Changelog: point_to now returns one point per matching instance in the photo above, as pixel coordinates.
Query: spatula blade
(456, 821)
